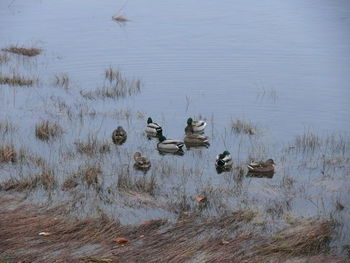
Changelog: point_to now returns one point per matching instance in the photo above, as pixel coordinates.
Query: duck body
(169, 145)
(196, 140)
(141, 162)
(152, 128)
(223, 161)
(195, 126)
(262, 167)
(119, 135)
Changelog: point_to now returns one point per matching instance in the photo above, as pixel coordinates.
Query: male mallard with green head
(195, 126)
(119, 135)
(152, 128)
(169, 145)
(141, 162)
(262, 167)
(223, 160)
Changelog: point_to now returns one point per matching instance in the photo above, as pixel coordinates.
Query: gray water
(281, 65)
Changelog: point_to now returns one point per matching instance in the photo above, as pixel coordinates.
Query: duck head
(270, 161)
(189, 121)
(149, 120)
(161, 138)
(137, 155)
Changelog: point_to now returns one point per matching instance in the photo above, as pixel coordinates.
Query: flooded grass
(308, 141)
(17, 80)
(239, 126)
(25, 51)
(92, 146)
(7, 127)
(62, 80)
(4, 58)
(46, 130)
(116, 86)
(45, 179)
(90, 174)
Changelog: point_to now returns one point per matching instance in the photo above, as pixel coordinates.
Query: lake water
(281, 65)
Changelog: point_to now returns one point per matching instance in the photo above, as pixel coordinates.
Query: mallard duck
(152, 129)
(119, 135)
(195, 140)
(141, 162)
(262, 167)
(223, 160)
(167, 145)
(195, 126)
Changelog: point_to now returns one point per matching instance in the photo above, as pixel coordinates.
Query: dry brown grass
(92, 146)
(30, 52)
(304, 239)
(144, 184)
(194, 239)
(69, 183)
(8, 154)
(46, 130)
(45, 179)
(91, 174)
(17, 80)
(120, 19)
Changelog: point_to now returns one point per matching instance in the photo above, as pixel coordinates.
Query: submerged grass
(25, 51)
(62, 80)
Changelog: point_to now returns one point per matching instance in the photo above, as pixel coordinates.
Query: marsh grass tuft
(46, 130)
(308, 141)
(30, 52)
(240, 126)
(8, 154)
(92, 146)
(90, 174)
(45, 179)
(117, 86)
(17, 80)
(144, 184)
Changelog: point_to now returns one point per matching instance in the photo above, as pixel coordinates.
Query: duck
(195, 126)
(196, 140)
(119, 135)
(153, 129)
(262, 167)
(141, 162)
(223, 161)
(169, 145)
